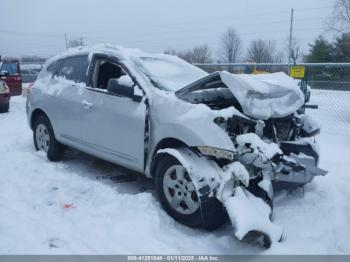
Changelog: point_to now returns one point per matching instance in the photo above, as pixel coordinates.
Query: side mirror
(4, 73)
(114, 87)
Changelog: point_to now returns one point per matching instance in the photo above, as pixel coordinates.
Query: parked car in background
(11, 72)
(29, 75)
(29, 72)
(4, 97)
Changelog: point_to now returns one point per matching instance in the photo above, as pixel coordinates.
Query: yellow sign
(297, 71)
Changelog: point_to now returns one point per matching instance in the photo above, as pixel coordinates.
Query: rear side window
(10, 67)
(74, 68)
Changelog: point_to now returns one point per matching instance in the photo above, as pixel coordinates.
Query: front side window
(74, 68)
(106, 70)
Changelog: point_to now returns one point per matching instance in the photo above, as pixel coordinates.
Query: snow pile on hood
(265, 96)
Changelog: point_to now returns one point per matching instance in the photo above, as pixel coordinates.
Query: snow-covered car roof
(164, 71)
(261, 96)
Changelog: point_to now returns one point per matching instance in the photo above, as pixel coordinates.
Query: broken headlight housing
(216, 152)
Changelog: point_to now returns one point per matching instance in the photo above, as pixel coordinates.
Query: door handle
(87, 104)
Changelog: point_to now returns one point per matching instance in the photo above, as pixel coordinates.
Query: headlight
(216, 152)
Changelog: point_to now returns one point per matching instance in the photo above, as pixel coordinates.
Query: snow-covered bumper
(297, 165)
(254, 160)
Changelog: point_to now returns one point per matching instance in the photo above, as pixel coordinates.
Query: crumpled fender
(249, 214)
(192, 124)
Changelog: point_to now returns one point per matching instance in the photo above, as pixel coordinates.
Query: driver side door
(117, 123)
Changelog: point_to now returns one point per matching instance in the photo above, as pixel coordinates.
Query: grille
(278, 128)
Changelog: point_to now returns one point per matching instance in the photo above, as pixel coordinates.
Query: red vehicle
(11, 74)
(4, 97)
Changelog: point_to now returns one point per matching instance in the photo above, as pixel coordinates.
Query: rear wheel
(44, 139)
(180, 199)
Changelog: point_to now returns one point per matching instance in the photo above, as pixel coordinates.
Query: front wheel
(180, 199)
(44, 139)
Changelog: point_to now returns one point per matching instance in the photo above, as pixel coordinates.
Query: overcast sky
(37, 27)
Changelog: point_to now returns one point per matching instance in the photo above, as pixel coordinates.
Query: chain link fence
(330, 89)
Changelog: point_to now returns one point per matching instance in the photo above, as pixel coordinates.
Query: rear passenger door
(68, 93)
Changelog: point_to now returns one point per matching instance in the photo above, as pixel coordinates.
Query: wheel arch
(164, 143)
(34, 116)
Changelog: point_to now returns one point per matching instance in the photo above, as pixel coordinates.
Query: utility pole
(291, 36)
(65, 38)
(81, 41)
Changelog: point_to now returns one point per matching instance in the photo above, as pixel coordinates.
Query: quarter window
(74, 68)
(53, 67)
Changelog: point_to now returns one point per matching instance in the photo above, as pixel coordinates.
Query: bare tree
(339, 21)
(170, 51)
(230, 46)
(199, 54)
(296, 53)
(262, 51)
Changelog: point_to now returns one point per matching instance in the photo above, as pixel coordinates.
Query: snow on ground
(76, 206)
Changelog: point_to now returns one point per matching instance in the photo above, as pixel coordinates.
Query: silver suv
(201, 136)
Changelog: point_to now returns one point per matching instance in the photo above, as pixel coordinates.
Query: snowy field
(80, 205)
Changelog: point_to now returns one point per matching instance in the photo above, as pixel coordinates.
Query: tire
(206, 212)
(4, 108)
(44, 139)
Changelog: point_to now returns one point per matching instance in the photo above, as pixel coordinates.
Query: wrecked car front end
(296, 153)
(274, 145)
(239, 138)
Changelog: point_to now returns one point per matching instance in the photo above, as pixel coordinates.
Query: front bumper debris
(298, 165)
(297, 169)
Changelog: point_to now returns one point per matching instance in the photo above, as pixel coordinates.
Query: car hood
(262, 96)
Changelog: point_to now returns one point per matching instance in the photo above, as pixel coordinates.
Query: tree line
(230, 51)
(266, 51)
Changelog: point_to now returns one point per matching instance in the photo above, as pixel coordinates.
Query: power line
(312, 8)
(162, 40)
(196, 30)
(214, 19)
(173, 24)
(28, 34)
(206, 36)
(167, 32)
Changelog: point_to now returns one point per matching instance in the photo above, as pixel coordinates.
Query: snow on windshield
(169, 72)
